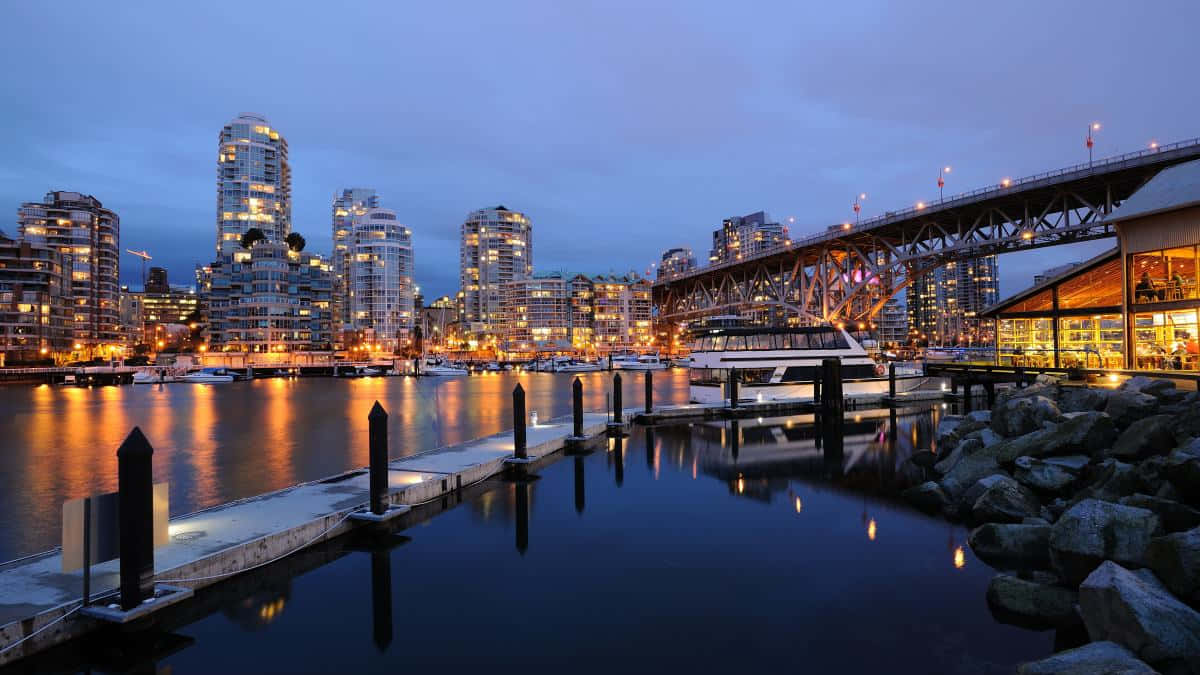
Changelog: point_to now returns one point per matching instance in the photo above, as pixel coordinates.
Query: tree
(252, 236)
(295, 241)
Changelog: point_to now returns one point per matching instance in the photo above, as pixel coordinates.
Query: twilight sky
(621, 128)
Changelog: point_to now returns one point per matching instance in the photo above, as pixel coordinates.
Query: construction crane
(144, 255)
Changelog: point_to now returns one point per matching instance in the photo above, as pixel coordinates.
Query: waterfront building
(536, 315)
(350, 203)
(496, 247)
(270, 298)
(156, 281)
(944, 304)
(676, 261)
(439, 321)
(1135, 307)
(621, 311)
(893, 323)
(132, 318)
(743, 236)
(254, 182)
(87, 235)
(36, 308)
(165, 310)
(377, 275)
(579, 322)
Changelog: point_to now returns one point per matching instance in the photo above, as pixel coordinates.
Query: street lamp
(862, 197)
(1094, 126)
(942, 182)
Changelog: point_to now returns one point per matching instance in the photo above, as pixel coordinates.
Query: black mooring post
(649, 392)
(892, 380)
(381, 598)
(733, 388)
(617, 398)
(135, 499)
(378, 455)
(832, 402)
(1020, 373)
(816, 387)
(577, 408)
(519, 422)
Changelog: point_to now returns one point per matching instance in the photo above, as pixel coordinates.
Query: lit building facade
(621, 311)
(88, 236)
(350, 203)
(496, 247)
(945, 304)
(131, 316)
(676, 261)
(536, 315)
(377, 277)
(744, 236)
(254, 182)
(270, 299)
(439, 321)
(36, 310)
(892, 323)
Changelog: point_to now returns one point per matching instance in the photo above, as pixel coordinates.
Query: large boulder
(1031, 604)
(1012, 545)
(1144, 385)
(1004, 500)
(1078, 433)
(947, 462)
(1174, 516)
(1093, 531)
(1182, 468)
(967, 471)
(1153, 435)
(1019, 416)
(1095, 658)
(1081, 399)
(1126, 407)
(947, 430)
(1175, 560)
(1109, 481)
(1134, 609)
(1041, 475)
(927, 496)
(980, 416)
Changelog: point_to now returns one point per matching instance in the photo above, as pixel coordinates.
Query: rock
(1031, 444)
(1175, 560)
(1154, 435)
(1182, 468)
(967, 471)
(946, 463)
(1135, 610)
(927, 496)
(1073, 463)
(1004, 500)
(1110, 481)
(1021, 416)
(1096, 658)
(924, 459)
(1187, 424)
(980, 416)
(1092, 531)
(909, 473)
(1173, 516)
(1011, 546)
(1080, 399)
(1029, 603)
(947, 430)
(1042, 475)
(989, 437)
(1145, 385)
(1055, 509)
(1035, 520)
(1080, 433)
(1126, 407)
(1150, 474)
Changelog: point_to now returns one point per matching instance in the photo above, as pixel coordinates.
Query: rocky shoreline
(1087, 501)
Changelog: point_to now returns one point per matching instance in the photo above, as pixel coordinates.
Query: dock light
(943, 386)
(1112, 377)
(45, 351)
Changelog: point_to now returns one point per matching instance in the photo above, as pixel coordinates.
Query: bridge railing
(835, 231)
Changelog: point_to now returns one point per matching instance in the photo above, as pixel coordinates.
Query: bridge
(848, 272)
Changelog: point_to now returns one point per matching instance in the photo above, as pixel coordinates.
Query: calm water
(217, 443)
(666, 552)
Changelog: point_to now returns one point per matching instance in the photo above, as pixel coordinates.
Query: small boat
(638, 362)
(565, 364)
(442, 369)
(208, 376)
(152, 377)
(370, 372)
(681, 362)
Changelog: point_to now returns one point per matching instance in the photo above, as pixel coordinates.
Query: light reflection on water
(217, 443)
(662, 549)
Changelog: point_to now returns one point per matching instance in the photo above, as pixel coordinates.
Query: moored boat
(638, 362)
(208, 376)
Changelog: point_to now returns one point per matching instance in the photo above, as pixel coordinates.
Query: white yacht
(441, 368)
(565, 364)
(780, 363)
(157, 376)
(208, 376)
(638, 362)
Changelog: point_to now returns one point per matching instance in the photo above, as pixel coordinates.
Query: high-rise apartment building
(743, 236)
(892, 323)
(944, 304)
(270, 298)
(676, 261)
(377, 277)
(156, 281)
(350, 203)
(254, 182)
(536, 315)
(36, 309)
(496, 247)
(621, 310)
(87, 235)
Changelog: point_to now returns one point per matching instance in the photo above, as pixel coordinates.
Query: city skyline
(809, 136)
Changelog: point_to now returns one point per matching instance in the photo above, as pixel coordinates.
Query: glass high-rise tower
(350, 203)
(496, 247)
(254, 182)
